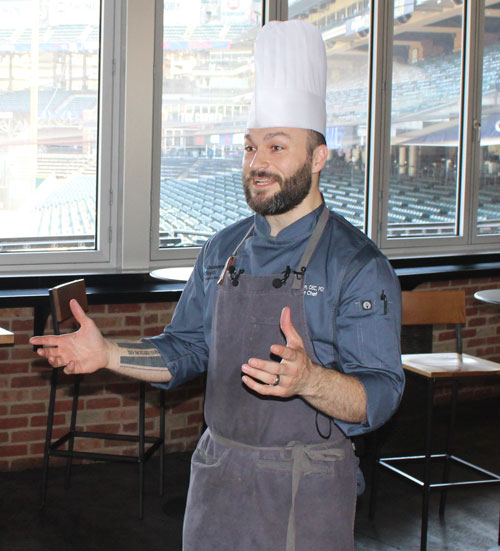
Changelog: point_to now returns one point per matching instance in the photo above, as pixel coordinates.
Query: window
(425, 118)
(413, 131)
(49, 106)
(206, 91)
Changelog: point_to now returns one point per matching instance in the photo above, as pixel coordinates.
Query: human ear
(319, 158)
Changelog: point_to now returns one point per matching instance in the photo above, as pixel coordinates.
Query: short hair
(314, 139)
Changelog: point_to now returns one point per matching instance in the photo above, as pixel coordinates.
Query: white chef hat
(290, 77)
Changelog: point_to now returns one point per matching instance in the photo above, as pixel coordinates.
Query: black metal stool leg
(74, 411)
(162, 437)
(48, 434)
(142, 398)
(427, 465)
(449, 446)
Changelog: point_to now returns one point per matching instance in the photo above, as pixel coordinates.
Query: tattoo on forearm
(140, 356)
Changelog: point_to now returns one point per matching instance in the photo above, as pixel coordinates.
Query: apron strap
(231, 259)
(301, 456)
(311, 246)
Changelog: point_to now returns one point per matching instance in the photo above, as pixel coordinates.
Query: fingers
(293, 339)
(49, 340)
(78, 312)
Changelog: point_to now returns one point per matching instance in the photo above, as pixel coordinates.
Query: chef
(295, 316)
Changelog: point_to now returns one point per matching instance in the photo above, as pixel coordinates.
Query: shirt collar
(300, 228)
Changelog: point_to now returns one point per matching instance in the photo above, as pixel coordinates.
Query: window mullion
(471, 121)
(380, 120)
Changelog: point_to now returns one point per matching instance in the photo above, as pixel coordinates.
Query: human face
(277, 170)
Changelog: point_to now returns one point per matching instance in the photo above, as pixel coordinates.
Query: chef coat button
(366, 305)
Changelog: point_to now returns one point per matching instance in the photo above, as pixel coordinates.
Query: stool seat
(448, 364)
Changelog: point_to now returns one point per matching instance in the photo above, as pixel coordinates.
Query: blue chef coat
(352, 302)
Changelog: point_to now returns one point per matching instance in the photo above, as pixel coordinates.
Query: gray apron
(268, 473)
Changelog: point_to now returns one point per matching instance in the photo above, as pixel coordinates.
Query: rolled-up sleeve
(368, 327)
(182, 343)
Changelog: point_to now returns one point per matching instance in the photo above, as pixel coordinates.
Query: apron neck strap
(311, 246)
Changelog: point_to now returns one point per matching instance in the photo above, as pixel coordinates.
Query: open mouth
(264, 182)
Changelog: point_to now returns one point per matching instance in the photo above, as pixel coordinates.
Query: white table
(172, 274)
(492, 296)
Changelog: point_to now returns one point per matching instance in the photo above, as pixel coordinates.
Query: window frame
(101, 256)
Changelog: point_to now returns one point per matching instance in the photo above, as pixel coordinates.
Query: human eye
(277, 147)
(249, 148)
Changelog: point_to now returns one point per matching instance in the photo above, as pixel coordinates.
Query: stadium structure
(207, 82)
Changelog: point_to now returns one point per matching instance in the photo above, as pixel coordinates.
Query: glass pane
(489, 189)
(345, 27)
(49, 79)
(426, 87)
(207, 87)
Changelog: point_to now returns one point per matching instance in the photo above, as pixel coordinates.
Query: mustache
(263, 174)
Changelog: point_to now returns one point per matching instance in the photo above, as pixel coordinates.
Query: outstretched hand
(83, 351)
(295, 370)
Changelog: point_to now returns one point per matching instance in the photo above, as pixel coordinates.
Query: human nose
(259, 160)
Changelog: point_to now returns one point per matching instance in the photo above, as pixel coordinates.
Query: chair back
(434, 308)
(60, 297)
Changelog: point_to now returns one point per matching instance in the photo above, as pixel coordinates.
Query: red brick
(7, 396)
(123, 308)
(102, 403)
(154, 306)
(184, 432)
(28, 381)
(28, 435)
(23, 409)
(132, 320)
(41, 420)
(475, 322)
(22, 325)
(195, 418)
(13, 451)
(25, 353)
(4, 355)
(186, 407)
(446, 335)
(96, 309)
(13, 367)
(120, 414)
(104, 427)
(21, 338)
(153, 331)
(13, 422)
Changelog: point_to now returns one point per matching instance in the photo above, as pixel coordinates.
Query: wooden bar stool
(60, 297)
(431, 308)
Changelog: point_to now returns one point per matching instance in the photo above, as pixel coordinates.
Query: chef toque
(290, 77)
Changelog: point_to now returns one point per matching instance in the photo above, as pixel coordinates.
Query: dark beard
(293, 191)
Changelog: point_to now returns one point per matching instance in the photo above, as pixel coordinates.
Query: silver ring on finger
(276, 381)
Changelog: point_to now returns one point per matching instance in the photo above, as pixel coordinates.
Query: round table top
(490, 295)
(172, 274)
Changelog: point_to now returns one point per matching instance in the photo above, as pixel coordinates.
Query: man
(295, 316)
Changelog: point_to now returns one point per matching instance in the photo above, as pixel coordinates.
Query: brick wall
(109, 402)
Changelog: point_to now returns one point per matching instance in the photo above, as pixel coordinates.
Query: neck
(278, 222)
